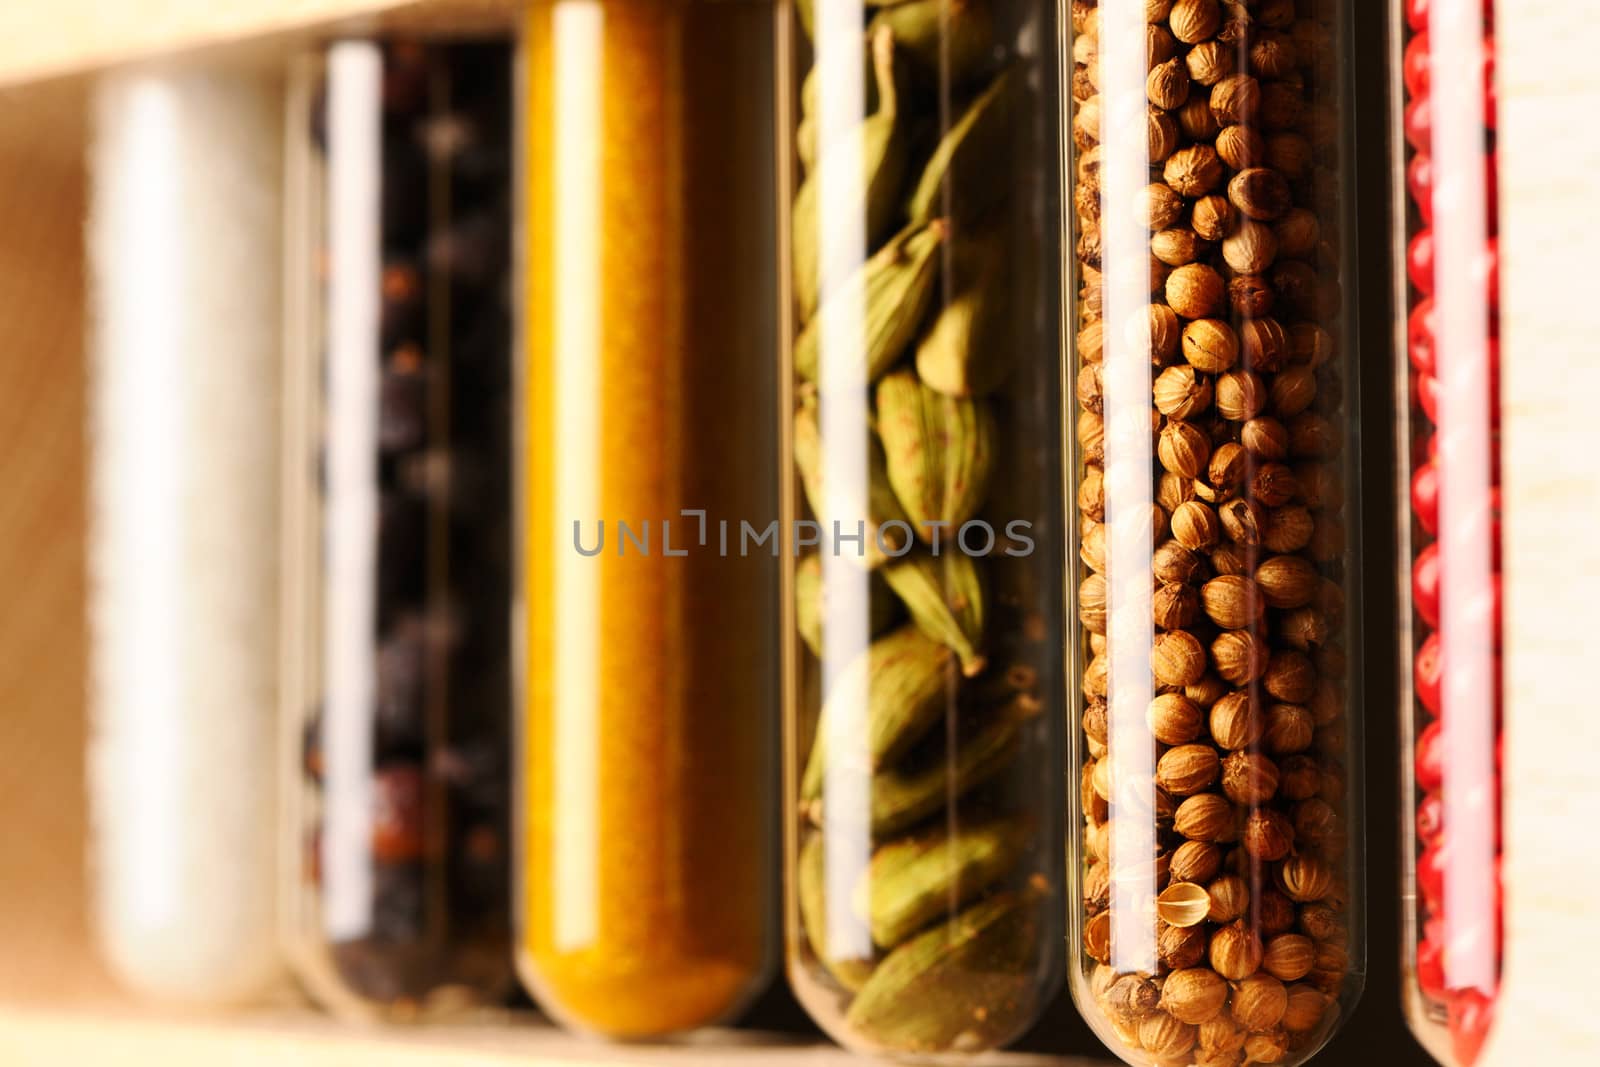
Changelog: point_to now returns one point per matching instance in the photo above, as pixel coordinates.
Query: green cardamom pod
(805, 142)
(851, 972)
(951, 41)
(806, 134)
(904, 795)
(810, 604)
(940, 452)
(913, 881)
(880, 154)
(945, 598)
(805, 8)
(952, 357)
(961, 178)
(876, 511)
(905, 680)
(965, 984)
(810, 92)
(967, 351)
(868, 322)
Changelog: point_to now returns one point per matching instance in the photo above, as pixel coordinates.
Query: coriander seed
(1168, 86)
(1195, 526)
(1194, 995)
(1230, 899)
(1213, 217)
(1251, 296)
(1249, 779)
(1209, 62)
(1259, 1002)
(1235, 951)
(1196, 170)
(1192, 21)
(1210, 345)
(1182, 392)
(1236, 99)
(1260, 193)
(1195, 290)
(1251, 248)
(1241, 147)
(1240, 395)
(1174, 719)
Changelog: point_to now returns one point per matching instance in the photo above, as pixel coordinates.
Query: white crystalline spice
(183, 240)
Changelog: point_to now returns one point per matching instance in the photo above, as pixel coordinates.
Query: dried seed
(1183, 904)
(1182, 392)
(1210, 345)
(939, 451)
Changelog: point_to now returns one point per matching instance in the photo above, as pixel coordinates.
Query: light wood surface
(42, 686)
(1550, 178)
(41, 39)
(307, 1041)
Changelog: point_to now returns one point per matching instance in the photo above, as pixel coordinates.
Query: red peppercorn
(1419, 261)
(1499, 879)
(1488, 268)
(1418, 12)
(1425, 496)
(1425, 395)
(1471, 1015)
(1491, 188)
(1431, 874)
(1425, 584)
(1493, 346)
(1474, 943)
(1428, 674)
(1419, 334)
(1430, 819)
(1428, 400)
(1419, 182)
(1430, 758)
(397, 814)
(1419, 124)
(1427, 574)
(1495, 616)
(1422, 182)
(1491, 97)
(1430, 961)
(1416, 65)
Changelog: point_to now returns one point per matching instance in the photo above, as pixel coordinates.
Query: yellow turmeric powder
(649, 388)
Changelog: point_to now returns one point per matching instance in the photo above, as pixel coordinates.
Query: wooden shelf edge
(65, 37)
(32, 1037)
(309, 1040)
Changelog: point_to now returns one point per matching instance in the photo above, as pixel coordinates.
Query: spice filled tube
(398, 514)
(186, 169)
(1449, 482)
(924, 702)
(1218, 904)
(648, 415)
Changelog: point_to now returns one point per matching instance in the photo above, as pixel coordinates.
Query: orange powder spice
(649, 388)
